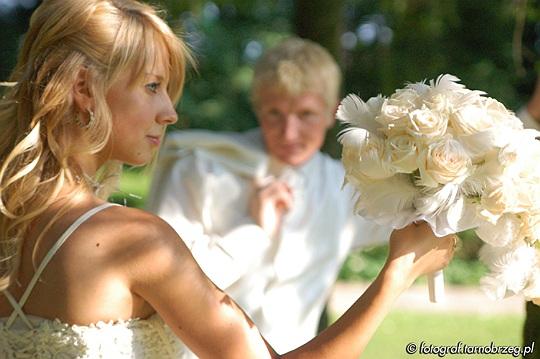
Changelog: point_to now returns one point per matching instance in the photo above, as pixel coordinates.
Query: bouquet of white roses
(456, 159)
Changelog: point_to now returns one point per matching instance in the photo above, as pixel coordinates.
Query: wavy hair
(39, 136)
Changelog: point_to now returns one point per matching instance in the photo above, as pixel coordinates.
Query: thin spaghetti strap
(18, 306)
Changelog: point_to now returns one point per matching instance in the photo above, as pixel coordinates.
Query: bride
(94, 87)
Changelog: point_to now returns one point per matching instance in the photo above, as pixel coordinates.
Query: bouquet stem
(436, 287)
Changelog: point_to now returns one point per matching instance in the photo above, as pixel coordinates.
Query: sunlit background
(492, 45)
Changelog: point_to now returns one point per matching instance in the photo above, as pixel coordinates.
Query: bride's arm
(213, 326)
(208, 321)
(414, 251)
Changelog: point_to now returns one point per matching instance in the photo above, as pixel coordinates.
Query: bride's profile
(95, 86)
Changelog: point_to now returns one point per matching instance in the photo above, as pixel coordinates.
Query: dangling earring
(91, 120)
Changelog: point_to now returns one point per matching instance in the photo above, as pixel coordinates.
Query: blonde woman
(95, 86)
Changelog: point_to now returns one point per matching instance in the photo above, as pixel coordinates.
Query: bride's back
(87, 280)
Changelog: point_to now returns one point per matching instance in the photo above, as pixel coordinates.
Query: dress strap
(17, 306)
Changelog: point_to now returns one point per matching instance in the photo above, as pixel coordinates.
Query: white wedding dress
(26, 336)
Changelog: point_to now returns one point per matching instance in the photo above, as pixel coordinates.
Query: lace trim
(133, 338)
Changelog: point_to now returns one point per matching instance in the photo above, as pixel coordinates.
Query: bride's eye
(153, 86)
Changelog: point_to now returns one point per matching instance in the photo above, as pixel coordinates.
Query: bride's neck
(89, 163)
(74, 194)
(77, 188)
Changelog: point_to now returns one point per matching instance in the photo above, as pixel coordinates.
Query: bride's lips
(155, 140)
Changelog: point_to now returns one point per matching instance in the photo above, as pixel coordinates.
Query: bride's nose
(168, 115)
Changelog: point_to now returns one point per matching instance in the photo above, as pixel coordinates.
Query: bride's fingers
(452, 242)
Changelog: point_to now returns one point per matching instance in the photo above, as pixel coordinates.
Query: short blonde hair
(38, 134)
(296, 66)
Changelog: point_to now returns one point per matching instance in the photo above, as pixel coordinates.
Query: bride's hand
(415, 250)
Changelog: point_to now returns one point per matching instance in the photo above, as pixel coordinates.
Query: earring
(91, 120)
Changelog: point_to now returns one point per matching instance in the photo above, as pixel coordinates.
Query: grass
(403, 327)
(134, 186)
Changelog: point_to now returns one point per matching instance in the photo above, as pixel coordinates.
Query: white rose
(525, 196)
(515, 190)
(505, 231)
(393, 118)
(443, 161)
(493, 204)
(500, 115)
(391, 112)
(520, 157)
(424, 124)
(498, 136)
(407, 98)
(403, 152)
(445, 94)
(364, 156)
(441, 103)
(470, 119)
(481, 144)
(501, 196)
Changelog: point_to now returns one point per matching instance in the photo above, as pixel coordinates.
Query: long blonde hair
(38, 117)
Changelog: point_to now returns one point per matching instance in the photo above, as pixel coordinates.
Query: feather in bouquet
(456, 159)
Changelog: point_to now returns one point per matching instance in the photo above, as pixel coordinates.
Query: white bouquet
(456, 159)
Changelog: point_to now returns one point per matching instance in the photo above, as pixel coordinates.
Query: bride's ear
(82, 96)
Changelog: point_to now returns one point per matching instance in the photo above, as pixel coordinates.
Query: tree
(321, 22)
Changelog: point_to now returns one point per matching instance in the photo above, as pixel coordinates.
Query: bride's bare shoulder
(127, 226)
(123, 237)
(145, 247)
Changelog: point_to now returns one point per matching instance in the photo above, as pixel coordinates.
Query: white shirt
(202, 187)
(528, 121)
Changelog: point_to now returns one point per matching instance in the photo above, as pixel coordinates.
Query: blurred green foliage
(226, 38)
(464, 269)
(382, 45)
(401, 327)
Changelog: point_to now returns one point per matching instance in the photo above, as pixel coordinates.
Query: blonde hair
(38, 123)
(296, 66)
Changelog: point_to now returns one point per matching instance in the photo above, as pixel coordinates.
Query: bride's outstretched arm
(414, 251)
(213, 326)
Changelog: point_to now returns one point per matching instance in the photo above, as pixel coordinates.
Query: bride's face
(141, 111)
